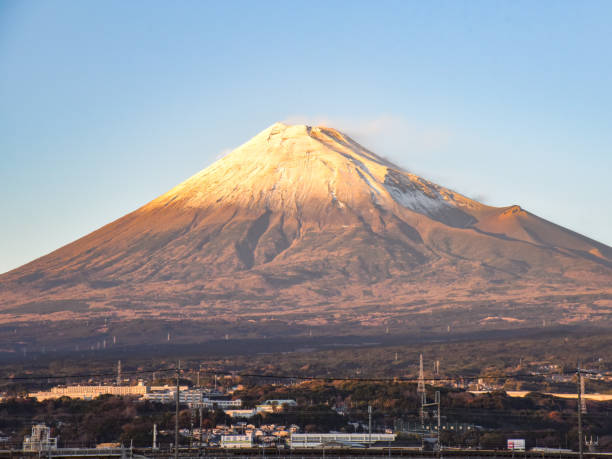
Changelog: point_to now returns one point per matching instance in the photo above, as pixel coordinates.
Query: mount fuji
(302, 228)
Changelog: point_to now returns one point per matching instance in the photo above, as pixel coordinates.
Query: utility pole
(438, 411)
(581, 405)
(176, 423)
(191, 415)
(200, 442)
(437, 405)
(119, 372)
(421, 388)
(369, 425)
(154, 436)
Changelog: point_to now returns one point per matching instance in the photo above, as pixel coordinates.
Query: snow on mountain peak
(296, 167)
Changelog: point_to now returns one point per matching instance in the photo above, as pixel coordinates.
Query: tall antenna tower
(118, 372)
(421, 387)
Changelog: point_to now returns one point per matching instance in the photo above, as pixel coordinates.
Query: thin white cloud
(428, 151)
(394, 136)
(223, 153)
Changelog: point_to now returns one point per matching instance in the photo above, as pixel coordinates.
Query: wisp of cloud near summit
(393, 135)
(410, 144)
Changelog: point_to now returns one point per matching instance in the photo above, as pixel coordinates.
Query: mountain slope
(304, 226)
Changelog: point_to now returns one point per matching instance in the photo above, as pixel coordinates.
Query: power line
(430, 381)
(81, 375)
(389, 379)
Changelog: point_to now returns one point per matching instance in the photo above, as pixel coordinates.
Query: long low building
(89, 392)
(269, 406)
(318, 440)
(243, 414)
(236, 441)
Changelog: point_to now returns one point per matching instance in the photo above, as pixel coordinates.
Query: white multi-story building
(195, 398)
(318, 440)
(221, 404)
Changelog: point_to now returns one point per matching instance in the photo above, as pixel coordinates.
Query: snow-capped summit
(309, 172)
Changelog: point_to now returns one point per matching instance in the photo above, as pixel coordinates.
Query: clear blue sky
(105, 105)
